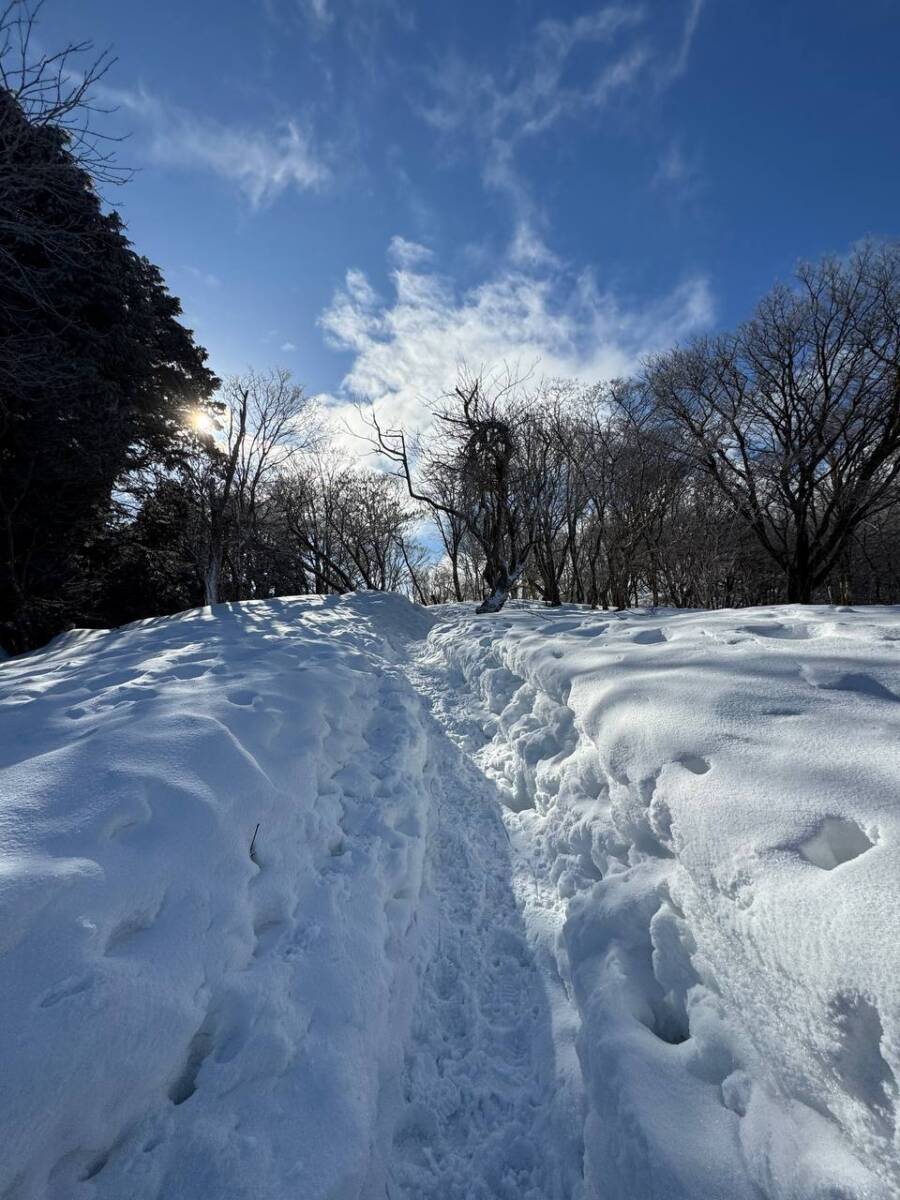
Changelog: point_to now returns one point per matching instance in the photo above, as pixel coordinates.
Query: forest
(756, 466)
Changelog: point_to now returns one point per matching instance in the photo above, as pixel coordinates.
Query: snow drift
(715, 797)
(343, 898)
(170, 1003)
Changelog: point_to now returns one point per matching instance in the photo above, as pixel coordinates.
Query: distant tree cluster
(754, 467)
(258, 503)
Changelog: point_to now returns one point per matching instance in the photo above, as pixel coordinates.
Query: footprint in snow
(695, 763)
(72, 985)
(859, 682)
(837, 840)
(188, 671)
(201, 1046)
(132, 927)
(649, 637)
(774, 629)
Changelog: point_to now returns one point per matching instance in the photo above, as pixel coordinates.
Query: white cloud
(692, 19)
(528, 248)
(404, 253)
(262, 163)
(288, 347)
(530, 92)
(676, 178)
(673, 169)
(408, 349)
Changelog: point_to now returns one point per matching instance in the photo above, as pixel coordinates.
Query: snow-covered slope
(170, 1004)
(717, 800)
(550, 905)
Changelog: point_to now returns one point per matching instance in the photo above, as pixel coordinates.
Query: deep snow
(550, 904)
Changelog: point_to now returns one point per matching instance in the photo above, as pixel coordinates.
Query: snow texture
(343, 898)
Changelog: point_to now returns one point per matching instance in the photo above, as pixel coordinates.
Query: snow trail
(706, 804)
(486, 1112)
(525, 896)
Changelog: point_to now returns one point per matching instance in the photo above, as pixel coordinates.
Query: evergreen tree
(96, 372)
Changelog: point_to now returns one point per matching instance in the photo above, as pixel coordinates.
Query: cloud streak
(262, 163)
(545, 83)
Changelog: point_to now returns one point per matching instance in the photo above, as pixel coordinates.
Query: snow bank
(182, 1018)
(715, 800)
(263, 932)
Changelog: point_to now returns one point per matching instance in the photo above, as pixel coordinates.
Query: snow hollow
(338, 898)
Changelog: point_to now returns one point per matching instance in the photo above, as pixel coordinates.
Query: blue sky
(369, 191)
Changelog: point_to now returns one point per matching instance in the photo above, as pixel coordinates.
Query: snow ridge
(207, 1023)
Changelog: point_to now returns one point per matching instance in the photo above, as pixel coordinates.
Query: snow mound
(714, 799)
(171, 1001)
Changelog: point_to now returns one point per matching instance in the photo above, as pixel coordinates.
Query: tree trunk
(504, 582)
(454, 569)
(798, 585)
(211, 580)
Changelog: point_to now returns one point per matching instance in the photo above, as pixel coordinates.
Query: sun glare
(201, 422)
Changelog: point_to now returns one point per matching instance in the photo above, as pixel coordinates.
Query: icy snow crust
(548, 905)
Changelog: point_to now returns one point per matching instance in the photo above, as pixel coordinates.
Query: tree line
(754, 467)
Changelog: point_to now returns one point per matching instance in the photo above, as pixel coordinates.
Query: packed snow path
(489, 1110)
(554, 905)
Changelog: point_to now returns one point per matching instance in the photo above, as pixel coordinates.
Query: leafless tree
(549, 434)
(796, 416)
(349, 527)
(58, 89)
(475, 442)
(265, 421)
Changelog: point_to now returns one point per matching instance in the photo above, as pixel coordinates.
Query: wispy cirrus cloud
(678, 66)
(319, 12)
(676, 177)
(209, 278)
(564, 70)
(407, 347)
(261, 162)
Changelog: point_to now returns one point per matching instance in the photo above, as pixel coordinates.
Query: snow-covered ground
(550, 905)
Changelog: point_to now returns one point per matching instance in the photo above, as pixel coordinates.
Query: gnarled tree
(471, 469)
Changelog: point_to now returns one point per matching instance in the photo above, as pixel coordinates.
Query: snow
(553, 904)
(715, 796)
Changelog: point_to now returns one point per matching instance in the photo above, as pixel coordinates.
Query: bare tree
(265, 421)
(796, 417)
(59, 89)
(475, 442)
(548, 434)
(349, 527)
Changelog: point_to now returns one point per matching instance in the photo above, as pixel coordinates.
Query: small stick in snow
(253, 844)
